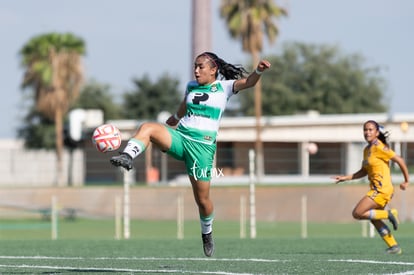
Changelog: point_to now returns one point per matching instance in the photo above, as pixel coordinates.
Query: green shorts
(198, 157)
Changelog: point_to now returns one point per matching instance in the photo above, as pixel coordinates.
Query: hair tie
(211, 59)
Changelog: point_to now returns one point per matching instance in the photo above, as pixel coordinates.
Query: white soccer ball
(312, 148)
(106, 138)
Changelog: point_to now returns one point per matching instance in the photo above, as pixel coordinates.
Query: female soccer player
(194, 139)
(377, 155)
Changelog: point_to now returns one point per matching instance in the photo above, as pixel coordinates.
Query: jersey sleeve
(228, 87)
(385, 153)
(189, 84)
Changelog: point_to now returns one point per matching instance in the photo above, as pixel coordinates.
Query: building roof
(310, 126)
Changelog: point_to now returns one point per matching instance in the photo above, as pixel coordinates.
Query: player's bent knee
(146, 127)
(357, 215)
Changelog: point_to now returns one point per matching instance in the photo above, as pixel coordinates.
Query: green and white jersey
(205, 106)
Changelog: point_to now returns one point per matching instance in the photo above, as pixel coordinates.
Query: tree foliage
(96, 95)
(53, 70)
(252, 20)
(149, 99)
(38, 131)
(310, 77)
(54, 73)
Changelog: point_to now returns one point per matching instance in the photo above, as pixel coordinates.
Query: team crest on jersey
(213, 88)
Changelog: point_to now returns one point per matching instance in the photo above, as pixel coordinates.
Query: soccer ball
(106, 138)
(312, 148)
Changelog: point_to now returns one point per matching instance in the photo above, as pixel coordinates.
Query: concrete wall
(325, 203)
(21, 167)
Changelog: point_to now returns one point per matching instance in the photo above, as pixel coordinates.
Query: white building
(339, 139)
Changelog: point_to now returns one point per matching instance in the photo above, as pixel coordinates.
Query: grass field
(88, 247)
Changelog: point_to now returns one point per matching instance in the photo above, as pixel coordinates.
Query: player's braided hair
(383, 135)
(227, 70)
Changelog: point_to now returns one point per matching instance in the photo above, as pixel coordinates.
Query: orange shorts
(382, 199)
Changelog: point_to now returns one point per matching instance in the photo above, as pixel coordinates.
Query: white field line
(103, 269)
(198, 259)
(144, 259)
(97, 269)
(408, 272)
(372, 262)
(26, 266)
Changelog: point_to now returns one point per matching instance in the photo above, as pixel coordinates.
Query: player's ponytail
(227, 70)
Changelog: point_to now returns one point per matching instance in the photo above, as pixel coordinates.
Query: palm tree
(200, 29)
(250, 21)
(54, 71)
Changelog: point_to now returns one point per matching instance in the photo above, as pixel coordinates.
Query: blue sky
(130, 38)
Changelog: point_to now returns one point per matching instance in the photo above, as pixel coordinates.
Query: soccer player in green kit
(193, 140)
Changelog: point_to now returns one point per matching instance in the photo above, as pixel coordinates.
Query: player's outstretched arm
(252, 79)
(357, 175)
